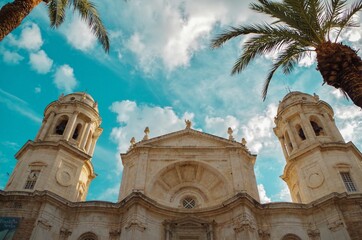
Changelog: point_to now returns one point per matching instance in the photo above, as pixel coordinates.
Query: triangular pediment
(188, 138)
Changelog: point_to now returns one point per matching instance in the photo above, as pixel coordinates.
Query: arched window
(61, 125)
(291, 237)
(77, 131)
(317, 126)
(88, 236)
(300, 132)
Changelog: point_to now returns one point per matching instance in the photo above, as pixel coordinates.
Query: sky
(160, 71)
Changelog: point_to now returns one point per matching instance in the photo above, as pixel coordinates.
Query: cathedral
(185, 185)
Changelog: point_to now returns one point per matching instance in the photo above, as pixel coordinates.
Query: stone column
(309, 132)
(70, 126)
(291, 136)
(45, 128)
(85, 134)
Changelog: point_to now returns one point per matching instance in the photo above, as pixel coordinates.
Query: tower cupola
(319, 161)
(59, 159)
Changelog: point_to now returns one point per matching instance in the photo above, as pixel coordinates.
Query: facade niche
(291, 237)
(60, 127)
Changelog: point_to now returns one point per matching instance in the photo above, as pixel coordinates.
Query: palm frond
(346, 20)
(287, 59)
(56, 12)
(332, 11)
(89, 13)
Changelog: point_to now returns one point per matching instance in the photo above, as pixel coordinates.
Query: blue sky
(160, 70)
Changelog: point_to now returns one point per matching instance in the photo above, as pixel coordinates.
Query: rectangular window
(346, 177)
(30, 182)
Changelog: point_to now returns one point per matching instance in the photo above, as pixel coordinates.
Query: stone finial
(146, 131)
(316, 97)
(243, 141)
(84, 96)
(133, 142)
(230, 132)
(60, 98)
(95, 104)
(188, 124)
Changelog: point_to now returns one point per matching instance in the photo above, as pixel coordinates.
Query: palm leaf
(89, 13)
(56, 12)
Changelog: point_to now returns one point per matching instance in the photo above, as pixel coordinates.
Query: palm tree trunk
(341, 67)
(11, 15)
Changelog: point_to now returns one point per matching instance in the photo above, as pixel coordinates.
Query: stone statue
(230, 132)
(188, 124)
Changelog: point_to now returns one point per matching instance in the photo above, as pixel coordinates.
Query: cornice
(137, 198)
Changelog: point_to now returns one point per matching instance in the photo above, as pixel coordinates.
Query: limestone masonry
(185, 185)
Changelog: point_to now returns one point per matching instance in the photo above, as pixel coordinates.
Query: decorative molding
(44, 224)
(336, 225)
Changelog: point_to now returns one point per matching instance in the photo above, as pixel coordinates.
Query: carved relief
(336, 225)
(244, 223)
(64, 233)
(136, 224)
(264, 234)
(114, 234)
(313, 232)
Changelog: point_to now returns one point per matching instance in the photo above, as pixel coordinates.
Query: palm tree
(299, 27)
(11, 15)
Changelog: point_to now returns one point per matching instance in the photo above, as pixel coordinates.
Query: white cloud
(133, 119)
(283, 195)
(219, 126)
(12, 57)
(18, 105)
(262, 194)
(78, 34)
(258, 131)
(349, 118)
(40, 62)
(173, 30)
(30, 37)
(64, 78)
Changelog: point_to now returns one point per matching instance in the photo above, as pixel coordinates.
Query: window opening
(301, 132)
(316, 128)
(59, 129)
(32, 178)
(76, 131)
(346, 177)
(189, 203)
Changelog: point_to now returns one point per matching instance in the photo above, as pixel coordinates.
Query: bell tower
(59, 159)
(319, 161)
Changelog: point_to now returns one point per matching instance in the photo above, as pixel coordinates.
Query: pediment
(188, 138)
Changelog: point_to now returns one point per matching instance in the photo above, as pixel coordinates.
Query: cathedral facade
(185, 185)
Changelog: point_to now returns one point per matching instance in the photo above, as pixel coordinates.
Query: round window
(188, 202)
